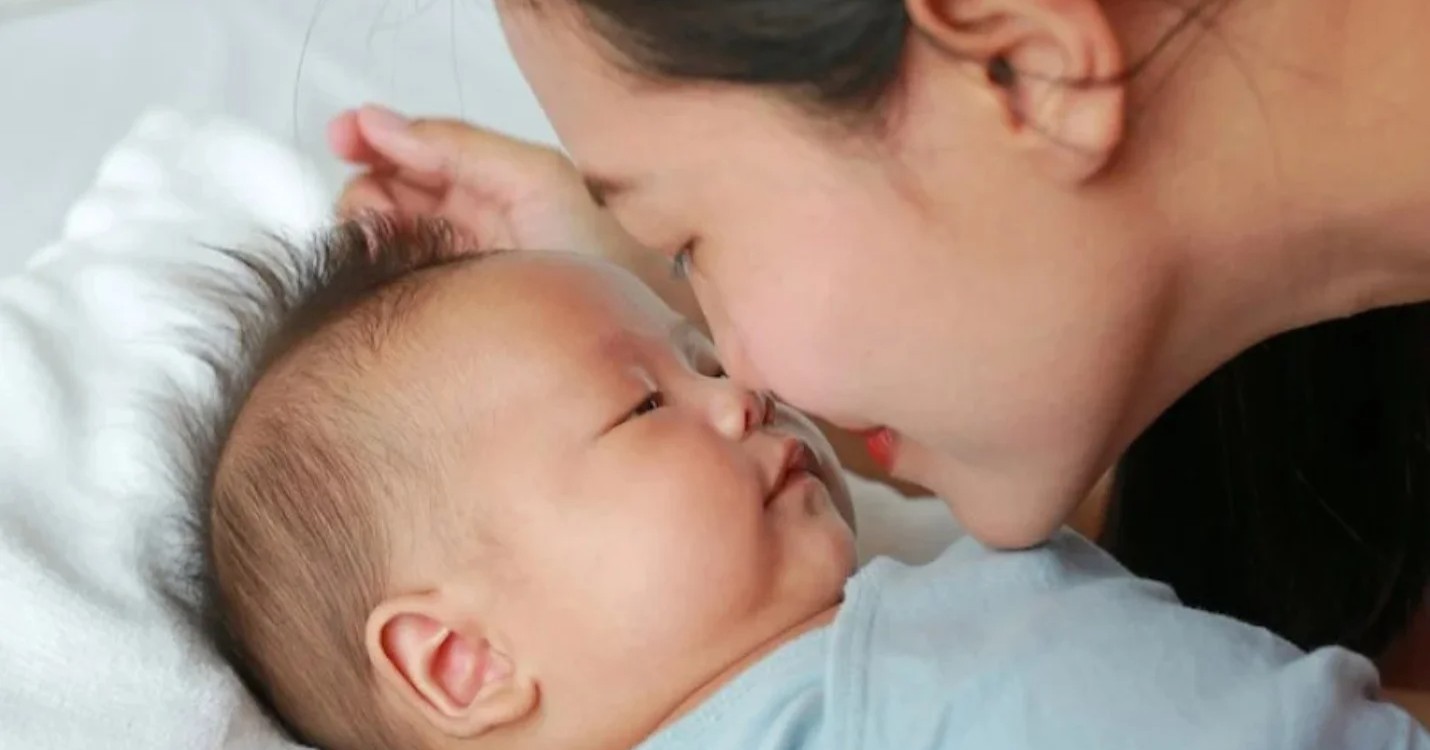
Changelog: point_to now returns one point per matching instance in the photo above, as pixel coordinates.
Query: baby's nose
(738, 411)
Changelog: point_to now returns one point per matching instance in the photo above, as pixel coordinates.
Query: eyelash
(656, 399)
(653, 400)
(680, 264)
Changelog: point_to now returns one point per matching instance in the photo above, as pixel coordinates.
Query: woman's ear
(1052, 68)
(440, 663)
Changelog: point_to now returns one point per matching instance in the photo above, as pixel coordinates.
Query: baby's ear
(446, 668)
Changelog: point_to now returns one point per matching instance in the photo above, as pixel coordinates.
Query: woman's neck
(1297, 139)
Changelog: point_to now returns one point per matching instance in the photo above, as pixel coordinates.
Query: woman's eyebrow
(605, 189)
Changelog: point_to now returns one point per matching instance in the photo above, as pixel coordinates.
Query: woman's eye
(703, 360)
(682, 261)
(649, 404)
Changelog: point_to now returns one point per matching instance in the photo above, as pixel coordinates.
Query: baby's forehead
(558, 298)
(525, 339)
(526, 323)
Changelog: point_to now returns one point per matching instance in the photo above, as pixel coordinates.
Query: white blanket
(96, 337)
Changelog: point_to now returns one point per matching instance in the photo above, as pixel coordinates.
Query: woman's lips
(881, 446)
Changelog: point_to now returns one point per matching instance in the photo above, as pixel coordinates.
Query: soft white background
(74, 75)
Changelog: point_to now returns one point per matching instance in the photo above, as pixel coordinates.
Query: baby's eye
(650, 403)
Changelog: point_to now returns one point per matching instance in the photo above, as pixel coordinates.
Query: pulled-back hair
(291, 525)
(1291, 489)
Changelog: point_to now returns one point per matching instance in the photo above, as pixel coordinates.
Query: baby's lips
(794, 455)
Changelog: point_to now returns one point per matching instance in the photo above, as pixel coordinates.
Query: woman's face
(924, 276)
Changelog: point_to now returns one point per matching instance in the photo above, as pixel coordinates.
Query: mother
(1021, 241)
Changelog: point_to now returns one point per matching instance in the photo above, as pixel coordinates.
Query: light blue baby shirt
(1057, 648)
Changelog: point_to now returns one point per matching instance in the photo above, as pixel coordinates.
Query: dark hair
(289, 552)
(842, 55)
(1291, 488)
(1288, 490)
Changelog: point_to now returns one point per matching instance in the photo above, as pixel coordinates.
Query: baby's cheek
(702, 557)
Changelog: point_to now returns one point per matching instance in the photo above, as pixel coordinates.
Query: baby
(507, 500)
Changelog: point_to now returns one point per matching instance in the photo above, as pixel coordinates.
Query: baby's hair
(294, 547)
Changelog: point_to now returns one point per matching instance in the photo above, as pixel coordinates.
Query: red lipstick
(880, 444)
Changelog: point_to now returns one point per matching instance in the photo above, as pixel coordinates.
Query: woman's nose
(737, 411)
(732, 353)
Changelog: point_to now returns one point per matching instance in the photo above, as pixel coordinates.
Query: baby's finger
(484, 158)
(365, 194)
(414, 199)
(347, 142)
(392, 193)
(391, 137)
(456, 152)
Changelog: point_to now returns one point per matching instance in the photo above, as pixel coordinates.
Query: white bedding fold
(91, 335)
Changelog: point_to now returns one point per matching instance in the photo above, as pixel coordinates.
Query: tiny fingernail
(381, 118)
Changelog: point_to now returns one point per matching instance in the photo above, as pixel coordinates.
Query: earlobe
(440, 664)
(1052, 68)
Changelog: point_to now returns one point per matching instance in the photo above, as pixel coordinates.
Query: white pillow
(102, 330)
(94, 337)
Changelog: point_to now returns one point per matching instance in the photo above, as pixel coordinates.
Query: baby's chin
(825, 559)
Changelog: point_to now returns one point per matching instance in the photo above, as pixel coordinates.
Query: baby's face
(639, 523)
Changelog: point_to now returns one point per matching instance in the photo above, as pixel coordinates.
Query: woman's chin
(1000, 510)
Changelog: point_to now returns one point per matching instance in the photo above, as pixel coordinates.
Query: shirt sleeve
(1326, 700)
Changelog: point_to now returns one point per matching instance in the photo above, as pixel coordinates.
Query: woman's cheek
(799, 351)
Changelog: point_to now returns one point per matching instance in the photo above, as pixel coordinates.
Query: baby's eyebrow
(617, 345)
